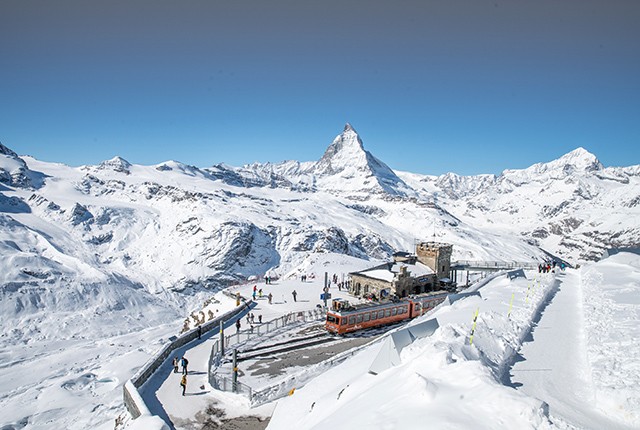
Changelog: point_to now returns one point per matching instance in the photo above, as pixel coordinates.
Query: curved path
(553, 366)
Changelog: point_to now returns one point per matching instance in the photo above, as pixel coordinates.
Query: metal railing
(133, 401)
(291, 382)
(493, 265)
(224, 383)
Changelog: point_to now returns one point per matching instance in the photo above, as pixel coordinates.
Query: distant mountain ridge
(180, 228)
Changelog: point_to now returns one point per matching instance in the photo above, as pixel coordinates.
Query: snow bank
(612, 311)
(148, 422)
(443, 381)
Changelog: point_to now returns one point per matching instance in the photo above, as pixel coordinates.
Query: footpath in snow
(581, 357)
(162, 392)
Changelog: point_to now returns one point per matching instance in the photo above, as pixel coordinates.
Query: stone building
(437, 256)
(407, 274)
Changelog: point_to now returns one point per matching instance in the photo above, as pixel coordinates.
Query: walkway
(553, 364)
(163, 394)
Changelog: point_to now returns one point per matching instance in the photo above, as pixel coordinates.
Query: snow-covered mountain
(117, 247)
(572, 207)
(174, 227)
(347, 166)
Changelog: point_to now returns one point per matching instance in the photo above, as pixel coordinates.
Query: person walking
(185, 363)
(175, 364)
(295, 295)
(199, 331)
(183, 384)
(238, 325)
(270, 296)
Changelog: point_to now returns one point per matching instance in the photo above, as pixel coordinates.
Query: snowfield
(101, 265)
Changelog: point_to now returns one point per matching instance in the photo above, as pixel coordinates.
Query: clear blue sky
(468, 86)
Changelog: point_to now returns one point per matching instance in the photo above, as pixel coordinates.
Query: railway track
(286, 346)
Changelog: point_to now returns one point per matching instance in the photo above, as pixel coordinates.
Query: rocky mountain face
(14, 171)
(573, 207)
(117, 231)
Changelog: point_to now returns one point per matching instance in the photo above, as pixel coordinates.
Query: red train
(344, 318)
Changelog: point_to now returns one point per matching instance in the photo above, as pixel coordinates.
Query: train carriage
(344, 318)
(358, 318)
(423, 303)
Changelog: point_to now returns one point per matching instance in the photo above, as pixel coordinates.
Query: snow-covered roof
(386, 272)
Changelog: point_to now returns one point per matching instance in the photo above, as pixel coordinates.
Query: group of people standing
(550, 267)
(259, 293)
(177, 362)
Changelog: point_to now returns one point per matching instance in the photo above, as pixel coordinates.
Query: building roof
(386, 272)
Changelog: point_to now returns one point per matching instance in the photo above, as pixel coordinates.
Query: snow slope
(583, 359)
(576, 369)
(113, 250)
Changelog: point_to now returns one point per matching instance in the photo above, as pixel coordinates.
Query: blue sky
(431, 86)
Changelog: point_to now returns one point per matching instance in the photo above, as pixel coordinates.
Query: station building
(426, 270)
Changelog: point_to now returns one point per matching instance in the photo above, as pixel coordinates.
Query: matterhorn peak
(347, 160)
(349, 128)
(345, 150)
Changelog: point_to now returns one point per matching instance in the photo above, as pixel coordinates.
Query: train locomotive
(344, 318)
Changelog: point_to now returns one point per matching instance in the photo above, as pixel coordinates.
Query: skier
(295, 295)
(183, 383)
